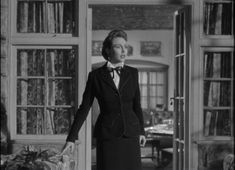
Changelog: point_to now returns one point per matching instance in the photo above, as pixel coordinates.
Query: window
(45, 90)
(44, 67)
(153, 91)
(45, 16)
(217, 17)
(218, 93)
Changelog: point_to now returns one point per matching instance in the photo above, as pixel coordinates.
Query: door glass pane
(30, 62)
(177, 38)
(181, 112)
(218, 18)
(182, 32)
(217, 122)
(181, 76)
(177, 118)
(177, 80)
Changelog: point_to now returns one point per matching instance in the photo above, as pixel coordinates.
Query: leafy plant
(31, 159)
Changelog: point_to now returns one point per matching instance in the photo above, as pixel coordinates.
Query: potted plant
(31, 159)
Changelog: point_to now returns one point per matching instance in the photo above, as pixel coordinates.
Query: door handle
(172, 99)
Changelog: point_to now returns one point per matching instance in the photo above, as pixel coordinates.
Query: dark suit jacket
(120, 109)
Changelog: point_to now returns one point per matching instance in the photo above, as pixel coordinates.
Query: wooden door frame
(190, 4)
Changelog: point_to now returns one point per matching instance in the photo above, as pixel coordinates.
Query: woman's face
(118, 50)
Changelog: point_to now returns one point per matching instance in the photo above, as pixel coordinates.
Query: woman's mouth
(123, 56)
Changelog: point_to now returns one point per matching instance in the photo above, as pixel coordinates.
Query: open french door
(181, 91)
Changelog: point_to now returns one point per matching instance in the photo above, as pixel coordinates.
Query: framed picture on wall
(150, 48)
(97, 48)
(129, 50)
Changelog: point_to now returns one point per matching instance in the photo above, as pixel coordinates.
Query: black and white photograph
(117, 85)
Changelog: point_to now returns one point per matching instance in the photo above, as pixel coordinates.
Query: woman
(119, 128)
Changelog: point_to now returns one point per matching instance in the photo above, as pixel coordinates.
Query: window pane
(217, 122)
(30, 120)
(56, 16)
(30, 16)
(160, 77)
(34, 120)
(59, 120)
(161, 101)
(30, 92)
(152, 77)
(144, 90)
(60, 16)
(30, 62)
(61, 62)
(160, 91)
(217, 65)
(218, 18)
(217, 93)
(153, 102)
(153, 91)
(144, 102)
(61, 92)
(143, 77)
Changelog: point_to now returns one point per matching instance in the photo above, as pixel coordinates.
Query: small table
(159, 141)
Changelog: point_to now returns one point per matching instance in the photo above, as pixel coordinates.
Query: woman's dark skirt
(118, 154)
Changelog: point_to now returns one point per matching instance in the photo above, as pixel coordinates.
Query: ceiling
(133, 17)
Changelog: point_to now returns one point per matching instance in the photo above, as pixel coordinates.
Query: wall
(4, 74)
(134, 38)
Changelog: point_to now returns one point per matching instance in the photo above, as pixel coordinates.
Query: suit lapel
(105, 75)
(125, 76)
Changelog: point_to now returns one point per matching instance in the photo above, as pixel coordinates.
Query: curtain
(24, 90)
(217, 93)
(218, 18)
(33, 15)
(50, 129)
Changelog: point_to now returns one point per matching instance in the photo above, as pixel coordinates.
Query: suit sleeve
(82, 111)
(137, 106)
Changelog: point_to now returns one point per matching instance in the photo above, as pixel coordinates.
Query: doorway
(151, 37)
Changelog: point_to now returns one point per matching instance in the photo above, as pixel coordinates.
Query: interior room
(183, 51)
(150, 39)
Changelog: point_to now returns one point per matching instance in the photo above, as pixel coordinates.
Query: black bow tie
(117, 69)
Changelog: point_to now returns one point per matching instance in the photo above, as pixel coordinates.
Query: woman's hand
(69, 146)
(142, 140)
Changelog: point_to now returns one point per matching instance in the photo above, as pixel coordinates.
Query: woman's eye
(117, 46)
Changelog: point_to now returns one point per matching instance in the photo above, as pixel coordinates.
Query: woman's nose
(124, 49)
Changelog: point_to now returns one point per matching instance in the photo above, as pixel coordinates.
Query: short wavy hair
(107, 44)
